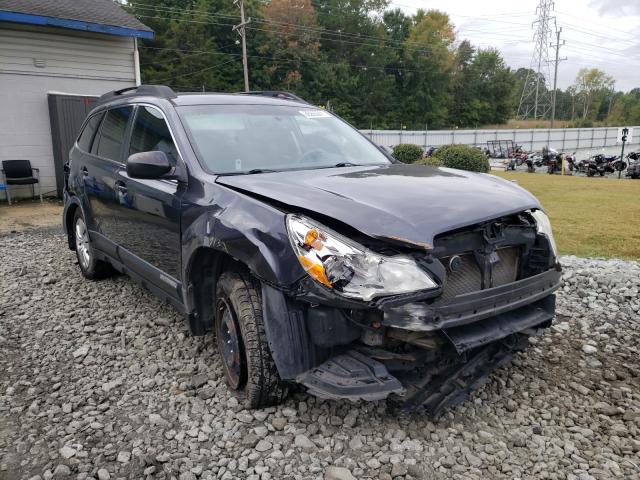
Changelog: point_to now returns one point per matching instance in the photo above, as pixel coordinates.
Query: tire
(91, 268)
(249, 368)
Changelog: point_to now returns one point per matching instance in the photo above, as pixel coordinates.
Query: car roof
(232, 99)
(153, 93)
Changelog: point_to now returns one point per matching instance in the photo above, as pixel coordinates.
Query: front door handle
(120, 187)
(85, 171)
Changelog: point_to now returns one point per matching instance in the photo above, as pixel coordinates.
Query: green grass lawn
(591, 217)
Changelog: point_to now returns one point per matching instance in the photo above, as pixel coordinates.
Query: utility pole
(240, 28)
(555, 74)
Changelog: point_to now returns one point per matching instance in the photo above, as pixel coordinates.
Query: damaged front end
(424, 327)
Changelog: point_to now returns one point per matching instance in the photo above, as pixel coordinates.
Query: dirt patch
(27, 215)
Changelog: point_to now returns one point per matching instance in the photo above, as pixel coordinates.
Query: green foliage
(582, 123)
(431, 161)
(483, 87)
(377, 67)
(463, 157)
(408, 152)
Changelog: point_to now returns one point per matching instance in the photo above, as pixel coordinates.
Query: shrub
(463, 157)
(431, 161)
(407, 152)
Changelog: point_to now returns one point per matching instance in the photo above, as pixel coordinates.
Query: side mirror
(150, 165)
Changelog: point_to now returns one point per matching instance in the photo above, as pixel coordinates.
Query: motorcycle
(554, 164)
(571, 162)
(633, 170)
(531, 168)
(592, 166)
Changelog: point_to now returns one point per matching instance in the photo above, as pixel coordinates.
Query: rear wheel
(247, 363)
(90, 267)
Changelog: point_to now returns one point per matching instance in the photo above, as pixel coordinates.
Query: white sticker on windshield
(315, 113)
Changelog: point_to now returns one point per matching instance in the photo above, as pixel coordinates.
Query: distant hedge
(431, 161)
(408, 153)
(463, 157)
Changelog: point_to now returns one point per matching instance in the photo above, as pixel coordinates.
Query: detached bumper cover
(467, 337)
(350, 375)
(472, 307)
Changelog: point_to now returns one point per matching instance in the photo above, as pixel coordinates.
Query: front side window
(89, 131)
(150, 132)
(239, 138)
(108, 143)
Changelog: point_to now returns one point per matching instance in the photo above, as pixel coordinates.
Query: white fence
(562, 139)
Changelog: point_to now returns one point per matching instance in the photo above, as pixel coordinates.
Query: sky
(597, 33)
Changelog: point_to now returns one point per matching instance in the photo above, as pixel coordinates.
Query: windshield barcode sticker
(315, 113)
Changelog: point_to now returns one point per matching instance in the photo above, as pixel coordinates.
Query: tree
(376, 67)
(625, 109)
(293, 43)
(425, 87)
(591, 86)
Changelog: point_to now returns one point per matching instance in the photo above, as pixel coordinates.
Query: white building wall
(37, 60)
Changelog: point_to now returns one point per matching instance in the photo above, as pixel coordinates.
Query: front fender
(246, 229)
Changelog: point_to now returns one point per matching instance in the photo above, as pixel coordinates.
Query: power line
(320, 30)
(381, 41)
(197, 71)
(192, 53)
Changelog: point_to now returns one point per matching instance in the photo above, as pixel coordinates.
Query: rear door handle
(84, 171)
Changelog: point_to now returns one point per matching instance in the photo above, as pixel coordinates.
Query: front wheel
(247, 363)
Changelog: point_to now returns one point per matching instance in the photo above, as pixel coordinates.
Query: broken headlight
(543, 225)
(350, 268)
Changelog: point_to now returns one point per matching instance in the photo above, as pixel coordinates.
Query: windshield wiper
(248, 172)
(347, 164)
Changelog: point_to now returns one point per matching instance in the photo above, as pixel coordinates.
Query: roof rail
(274, 94)
(161, 91)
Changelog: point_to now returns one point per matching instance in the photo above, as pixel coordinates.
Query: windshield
(235, 139)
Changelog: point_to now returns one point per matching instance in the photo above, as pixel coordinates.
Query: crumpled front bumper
(479, 332)
(472, 307)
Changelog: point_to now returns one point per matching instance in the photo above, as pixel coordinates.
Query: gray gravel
(101, 380)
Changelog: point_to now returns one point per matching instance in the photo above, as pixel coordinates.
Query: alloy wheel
(82, 243)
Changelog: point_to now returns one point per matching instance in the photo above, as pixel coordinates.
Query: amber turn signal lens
(315, 270)
(313, 239)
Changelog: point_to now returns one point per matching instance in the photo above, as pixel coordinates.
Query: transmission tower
(536, 98)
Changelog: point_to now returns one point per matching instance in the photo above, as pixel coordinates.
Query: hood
(406, 203)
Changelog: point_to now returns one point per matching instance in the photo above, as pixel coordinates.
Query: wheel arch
(71, 206)
(204, 268)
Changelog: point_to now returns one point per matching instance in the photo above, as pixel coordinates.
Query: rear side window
(108, 143)
(150, 132)
(89, 131)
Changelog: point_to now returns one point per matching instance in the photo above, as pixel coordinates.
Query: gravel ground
(101, 380)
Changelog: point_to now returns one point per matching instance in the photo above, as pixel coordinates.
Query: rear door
(99, 170)
(148, 226)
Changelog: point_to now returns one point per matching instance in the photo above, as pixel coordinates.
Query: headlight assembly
(543, 226)
(349, 268)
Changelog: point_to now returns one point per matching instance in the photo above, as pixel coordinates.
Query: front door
(149, 222)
